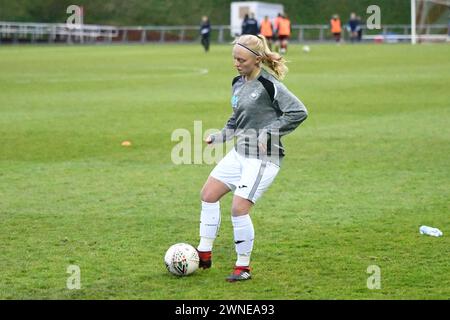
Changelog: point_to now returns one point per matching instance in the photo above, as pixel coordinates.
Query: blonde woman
(263, 111)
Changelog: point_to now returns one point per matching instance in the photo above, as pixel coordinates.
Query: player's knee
(208, 196)
(240, 207)
(237, 211)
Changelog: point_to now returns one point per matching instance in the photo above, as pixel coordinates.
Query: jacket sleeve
(292, 112)
(227, 133)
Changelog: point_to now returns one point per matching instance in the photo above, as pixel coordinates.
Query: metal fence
(54, 32)
(15, 32)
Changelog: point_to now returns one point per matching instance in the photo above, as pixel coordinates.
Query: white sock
(243, 238)
(209, 225)
(205, 244)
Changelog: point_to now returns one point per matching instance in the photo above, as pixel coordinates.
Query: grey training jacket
(264, 110)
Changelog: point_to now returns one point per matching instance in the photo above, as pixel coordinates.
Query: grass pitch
(362, 173)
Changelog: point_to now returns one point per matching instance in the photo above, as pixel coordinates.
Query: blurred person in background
(266, 29)
(359, 29)
(244, 25)
(284, 33)
(276, 26)
(353, 25)
(336, 29)
(250, 25)
(205, 31)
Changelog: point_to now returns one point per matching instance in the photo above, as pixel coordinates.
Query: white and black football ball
(181, 259)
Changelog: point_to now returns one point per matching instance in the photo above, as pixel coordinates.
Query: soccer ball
(181, 259)
(306, 49)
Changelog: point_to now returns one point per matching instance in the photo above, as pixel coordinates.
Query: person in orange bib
(266, 30)
(336, 29)
(276, 26)
(284, 33)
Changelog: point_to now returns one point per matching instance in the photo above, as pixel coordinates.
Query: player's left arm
(293, 112)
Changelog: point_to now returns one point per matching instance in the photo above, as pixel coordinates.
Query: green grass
(364, 171)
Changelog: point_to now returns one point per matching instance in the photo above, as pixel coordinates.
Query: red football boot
(205, 259)
(239, 274)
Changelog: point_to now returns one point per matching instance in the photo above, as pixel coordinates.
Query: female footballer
(263, 111)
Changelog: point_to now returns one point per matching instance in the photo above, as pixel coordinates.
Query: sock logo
(239, 241)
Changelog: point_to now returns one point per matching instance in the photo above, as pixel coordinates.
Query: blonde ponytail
(274, 61)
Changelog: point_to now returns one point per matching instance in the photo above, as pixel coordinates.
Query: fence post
(143, 35)
(220, 39)
(300, 34)
(23, 32)
(163, 36)
(182, 32)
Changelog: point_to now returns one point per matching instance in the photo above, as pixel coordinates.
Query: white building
(260, 9)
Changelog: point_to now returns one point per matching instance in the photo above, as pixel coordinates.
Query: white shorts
(249, 178)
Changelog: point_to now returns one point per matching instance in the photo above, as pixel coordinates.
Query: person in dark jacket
(250, 25)
(359, 29)
(244, 24)
(353, 27)
(205, 31)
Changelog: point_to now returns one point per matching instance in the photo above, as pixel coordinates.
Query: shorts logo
(243, 186)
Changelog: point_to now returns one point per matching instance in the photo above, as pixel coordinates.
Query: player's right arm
(227, 133)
